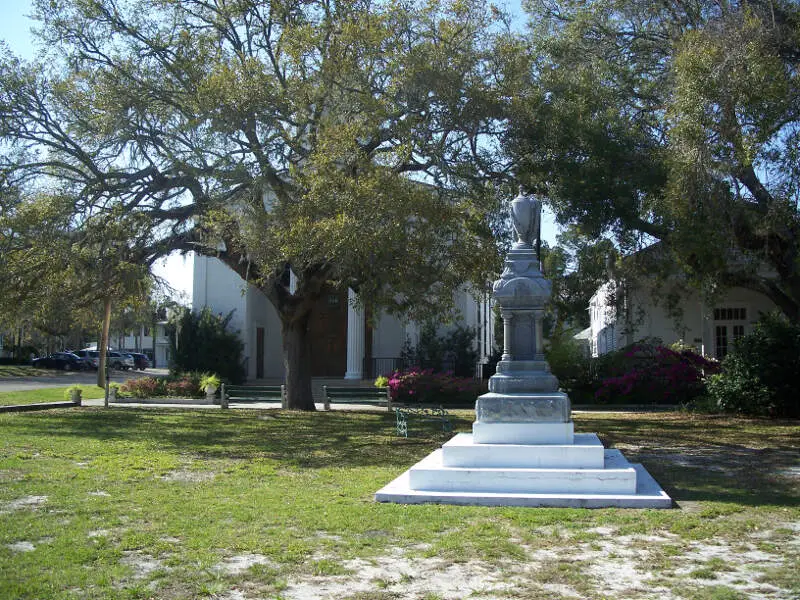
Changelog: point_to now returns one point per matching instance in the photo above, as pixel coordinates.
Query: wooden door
(328, 331)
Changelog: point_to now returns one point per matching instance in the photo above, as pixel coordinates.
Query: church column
(355, 338)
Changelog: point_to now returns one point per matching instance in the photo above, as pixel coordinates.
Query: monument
(523, 449)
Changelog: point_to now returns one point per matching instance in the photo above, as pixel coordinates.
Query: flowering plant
(415, 385)
(184, 386)
(144, 387)
(656, 375)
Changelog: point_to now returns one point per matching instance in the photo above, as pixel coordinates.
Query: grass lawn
(26, 371)
(47, 395)
(235, 505)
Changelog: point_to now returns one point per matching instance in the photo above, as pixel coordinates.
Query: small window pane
(721, 339)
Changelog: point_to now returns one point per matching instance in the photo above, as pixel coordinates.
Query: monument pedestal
(577, 473)
(523, 450)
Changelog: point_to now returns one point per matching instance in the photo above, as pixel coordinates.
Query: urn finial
(526, 211)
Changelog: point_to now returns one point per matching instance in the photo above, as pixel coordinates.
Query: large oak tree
(676, 121)
(341, 140)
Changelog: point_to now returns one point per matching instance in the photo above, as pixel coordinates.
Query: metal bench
(252, 393)
(423, 413)
(377, 396)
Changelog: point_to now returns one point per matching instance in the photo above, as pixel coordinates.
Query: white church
(345, 343)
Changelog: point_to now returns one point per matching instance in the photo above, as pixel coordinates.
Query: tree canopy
(675, 122)
(345, 141)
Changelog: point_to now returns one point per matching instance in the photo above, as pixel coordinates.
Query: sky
(176, 270)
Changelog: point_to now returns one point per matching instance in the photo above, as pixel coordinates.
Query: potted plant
(73, 394)
(210, 384)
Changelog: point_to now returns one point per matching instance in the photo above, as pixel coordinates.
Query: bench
(421, 413)
(252, 393)
(378, 396)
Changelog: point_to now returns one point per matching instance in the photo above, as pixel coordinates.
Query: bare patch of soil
(187, 476)
(237, 564)
(618, 566)
(26, 502)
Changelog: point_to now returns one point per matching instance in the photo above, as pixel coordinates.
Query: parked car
(141, 361)
(66, 361)
(114, 360)
(91, 357)
(128, 361)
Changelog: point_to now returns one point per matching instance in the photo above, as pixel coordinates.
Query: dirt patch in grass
(26, 502)
(189, 476)
(21, 547)
(237, 564)
(618, 566)
(143, 565)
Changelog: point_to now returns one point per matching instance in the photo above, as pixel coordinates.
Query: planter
(211, 391)
(75, 396)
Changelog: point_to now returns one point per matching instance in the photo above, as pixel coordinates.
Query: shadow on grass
(754, 462)
(749, 462)
(304, 440)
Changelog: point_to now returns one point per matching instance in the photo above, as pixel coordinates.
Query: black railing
(374, 367)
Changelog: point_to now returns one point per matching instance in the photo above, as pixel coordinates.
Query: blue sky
(15, 30)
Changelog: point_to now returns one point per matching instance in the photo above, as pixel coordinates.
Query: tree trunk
(102, 347)
(297, 361)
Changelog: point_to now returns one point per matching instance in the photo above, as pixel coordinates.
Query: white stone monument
(523, 450)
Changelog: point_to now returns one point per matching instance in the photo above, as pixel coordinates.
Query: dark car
(65, 361)
(141, 361)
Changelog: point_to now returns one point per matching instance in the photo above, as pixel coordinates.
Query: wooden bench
(252, 393)
(421, 412)
(377, 396)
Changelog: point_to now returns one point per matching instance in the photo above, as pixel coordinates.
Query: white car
(119, 360)
(128, 362)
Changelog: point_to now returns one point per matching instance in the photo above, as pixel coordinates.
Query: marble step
(648, 495)
(586, 452)
(523, 433)
(616, 477)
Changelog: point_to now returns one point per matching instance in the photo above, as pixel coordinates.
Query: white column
(355, 338)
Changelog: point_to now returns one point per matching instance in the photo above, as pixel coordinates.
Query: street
(18, 384)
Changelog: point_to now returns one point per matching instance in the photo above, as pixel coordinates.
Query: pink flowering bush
(183, 387)
(144, 387)
(654, 374)
(186, 385)
(420, 386)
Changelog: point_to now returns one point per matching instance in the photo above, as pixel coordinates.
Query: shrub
(759, 375)
(144, 387)
(645, 373)
(381, 381)
(201, 341)
(184, 387)
(454, 351)
(572, 368)
(425, 386)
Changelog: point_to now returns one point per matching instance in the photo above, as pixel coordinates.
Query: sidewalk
(233, 405)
